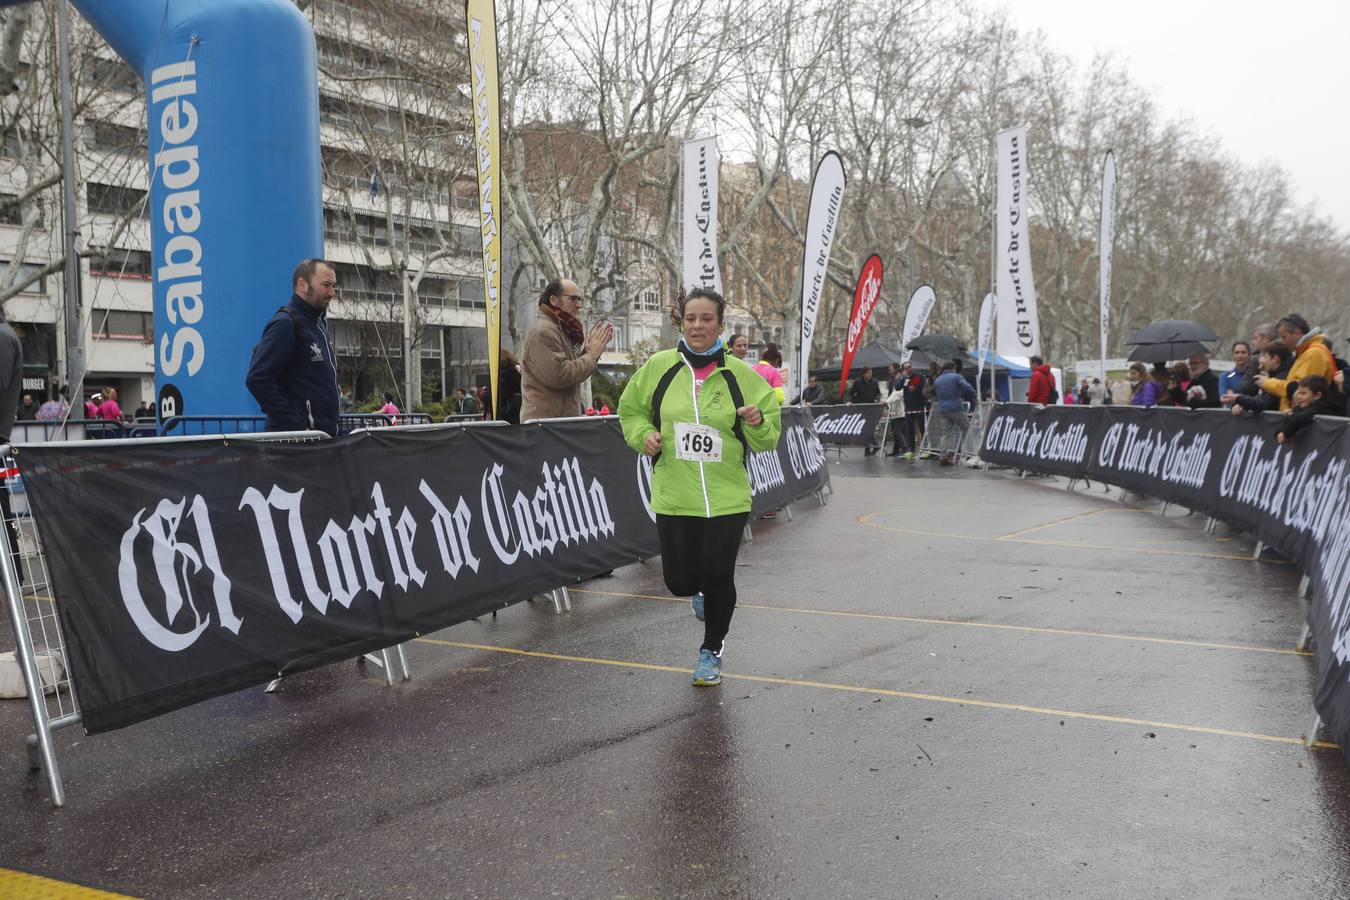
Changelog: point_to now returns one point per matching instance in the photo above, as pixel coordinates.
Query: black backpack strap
(659, 395)
(297, 327)
(738, 426)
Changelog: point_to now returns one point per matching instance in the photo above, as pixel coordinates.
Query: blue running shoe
(709, 669)
(696, 602)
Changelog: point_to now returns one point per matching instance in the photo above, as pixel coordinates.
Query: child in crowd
(1315, 396)
(1273, 362)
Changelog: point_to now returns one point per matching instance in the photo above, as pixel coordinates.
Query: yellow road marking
(888, 692)
(1068, 632)
(1073, 545)
(1063, 521)
(21, 884)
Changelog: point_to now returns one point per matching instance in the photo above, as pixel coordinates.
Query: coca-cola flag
(866, 293)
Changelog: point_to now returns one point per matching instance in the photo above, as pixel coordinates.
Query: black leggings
(699, 554)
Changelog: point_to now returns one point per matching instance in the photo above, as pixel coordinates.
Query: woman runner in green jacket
(697, 410)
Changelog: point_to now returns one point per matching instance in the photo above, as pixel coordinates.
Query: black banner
(186, 570)
(792, 470)
(855, 424)
(1295, 497)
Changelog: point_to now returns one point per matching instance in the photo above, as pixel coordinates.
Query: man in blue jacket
(949, 390)
(293, 374)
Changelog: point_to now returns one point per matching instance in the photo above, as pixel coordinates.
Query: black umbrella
(939, 346)
(1171, 331)
(1156, 353)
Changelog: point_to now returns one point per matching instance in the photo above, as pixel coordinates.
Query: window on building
(112, 138)
(13, 142)
(471, 295)
(111, 74)
(432, 293)
(116, 200)
(11, 212)
(651, 301)
(134, 264)
(26, 271)
(123, 325)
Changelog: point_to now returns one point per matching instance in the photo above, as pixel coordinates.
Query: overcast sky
(1270, 78)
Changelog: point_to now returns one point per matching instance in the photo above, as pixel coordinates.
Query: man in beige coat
(558, 355)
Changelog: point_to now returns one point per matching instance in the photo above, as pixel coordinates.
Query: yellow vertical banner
(487, 142)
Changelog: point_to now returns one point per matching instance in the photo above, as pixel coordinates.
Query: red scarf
(571, 325)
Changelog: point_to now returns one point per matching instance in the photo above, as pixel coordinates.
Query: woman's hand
(652, 444)
(1260, 379)
(1280, 438)
(751, 415)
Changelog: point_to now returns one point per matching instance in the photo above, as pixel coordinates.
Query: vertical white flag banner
(698, 171)
(1106, 240)
(1019, 329)
(827, 201)
(916, 317)
(988, 312)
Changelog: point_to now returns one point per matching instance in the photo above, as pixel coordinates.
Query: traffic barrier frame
(33, 612)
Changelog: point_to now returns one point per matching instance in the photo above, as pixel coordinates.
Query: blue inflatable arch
(236, 190)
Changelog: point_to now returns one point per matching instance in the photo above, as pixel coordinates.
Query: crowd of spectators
(1288, 367)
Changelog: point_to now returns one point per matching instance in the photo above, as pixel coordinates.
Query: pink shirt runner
(770, 373)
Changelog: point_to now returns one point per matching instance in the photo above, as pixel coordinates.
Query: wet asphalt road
(946, 683)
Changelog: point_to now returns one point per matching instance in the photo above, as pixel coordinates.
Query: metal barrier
(42, 431)
(213, 425)
(966, 448)
(41, 648)
(462, 417)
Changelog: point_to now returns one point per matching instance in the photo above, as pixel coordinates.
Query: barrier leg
(566, 599)
(1260, 547)
(1305, 638)
(1163, 511)
(1311, 737)
(787, 511)
(820, 495)
(557, 600)
(403, 662)
(388, 669)
(32, 679)
(749, 535)
(1303, 584)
